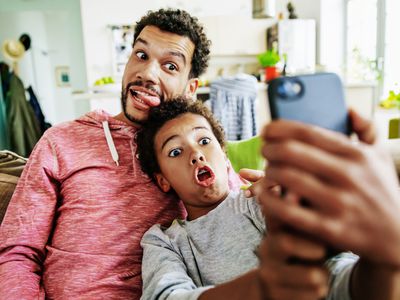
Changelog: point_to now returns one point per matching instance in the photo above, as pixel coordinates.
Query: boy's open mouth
(204, 176)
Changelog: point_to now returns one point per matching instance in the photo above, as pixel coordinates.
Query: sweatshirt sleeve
(340, 268)
(164, 272)
(27, 225)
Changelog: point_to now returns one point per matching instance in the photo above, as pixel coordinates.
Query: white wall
(330, 19)
(332, 35)
(98, 14)
(35, 66)
(55, 30)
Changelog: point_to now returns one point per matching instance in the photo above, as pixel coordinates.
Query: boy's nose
(196, 157)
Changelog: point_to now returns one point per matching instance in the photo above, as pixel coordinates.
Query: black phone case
(317, 99)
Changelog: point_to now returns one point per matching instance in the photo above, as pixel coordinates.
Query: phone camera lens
(289, 89)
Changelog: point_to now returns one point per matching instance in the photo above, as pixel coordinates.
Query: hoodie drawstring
(110, 142)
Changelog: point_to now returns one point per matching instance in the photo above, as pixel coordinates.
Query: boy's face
(192, 163)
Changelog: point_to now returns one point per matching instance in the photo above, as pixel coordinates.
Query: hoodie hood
(110, 126)
(97, 117)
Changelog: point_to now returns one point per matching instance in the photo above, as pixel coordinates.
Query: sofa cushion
(7, 187)
(11, 163)
(11, 167)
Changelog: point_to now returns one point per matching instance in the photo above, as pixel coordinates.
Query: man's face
(158, 69)
(192, 163)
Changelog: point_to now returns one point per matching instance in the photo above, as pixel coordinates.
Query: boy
(181, 148)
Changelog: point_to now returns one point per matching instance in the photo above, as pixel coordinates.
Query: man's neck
(121, 117)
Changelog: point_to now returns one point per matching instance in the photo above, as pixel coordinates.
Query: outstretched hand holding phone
(354, 197)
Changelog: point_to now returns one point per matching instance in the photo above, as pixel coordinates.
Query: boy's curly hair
(161, 114)
(182, 23)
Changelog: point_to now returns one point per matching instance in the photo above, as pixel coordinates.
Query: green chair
(246, 154)
(394, 128)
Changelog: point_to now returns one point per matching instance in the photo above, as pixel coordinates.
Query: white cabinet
(236, 35)
(362, 98)
(297, 40)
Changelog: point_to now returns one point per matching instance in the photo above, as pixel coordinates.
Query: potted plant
(268, 61)
(392, 101)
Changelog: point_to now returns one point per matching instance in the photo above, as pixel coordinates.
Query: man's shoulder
(63, 130)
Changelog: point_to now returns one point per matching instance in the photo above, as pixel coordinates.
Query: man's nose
(197, 157)
(149, 73)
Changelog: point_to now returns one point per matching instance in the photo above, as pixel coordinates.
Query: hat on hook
(25, 39)
(13, 50)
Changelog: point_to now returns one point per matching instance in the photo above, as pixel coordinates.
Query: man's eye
(174, 152)
(171, 66)
(141, 55)
(205, 141)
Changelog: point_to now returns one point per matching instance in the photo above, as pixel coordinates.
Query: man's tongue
(148, 99)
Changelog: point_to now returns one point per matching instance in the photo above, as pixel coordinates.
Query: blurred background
(75, 51)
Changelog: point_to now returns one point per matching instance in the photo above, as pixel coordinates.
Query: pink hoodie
(74, 225)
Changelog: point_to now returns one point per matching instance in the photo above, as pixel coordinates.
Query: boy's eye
(205, 141)
(141, 55)
(174, 152)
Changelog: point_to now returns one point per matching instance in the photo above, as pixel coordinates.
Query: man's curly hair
(182, 23)
(161, 114)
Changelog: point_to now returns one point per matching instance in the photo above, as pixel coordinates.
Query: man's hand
(352, 189)
(282, 279)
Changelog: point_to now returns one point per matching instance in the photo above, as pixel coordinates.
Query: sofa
(11, 166)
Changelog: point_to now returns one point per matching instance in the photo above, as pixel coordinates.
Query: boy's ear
(162, 182)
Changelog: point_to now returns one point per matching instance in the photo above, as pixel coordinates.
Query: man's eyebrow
(140, 40)
(173, 53)
(178, 54)
(175, 135)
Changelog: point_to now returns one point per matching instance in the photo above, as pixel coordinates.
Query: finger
(284, 293)
(251, 175)
(308, 158)
(363, 127)
(304, 276)
(295, 281)
(328, 140)
(296, 246)
(312, 223)
(319, 193)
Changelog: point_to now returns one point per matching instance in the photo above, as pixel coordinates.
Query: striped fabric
(233, 104)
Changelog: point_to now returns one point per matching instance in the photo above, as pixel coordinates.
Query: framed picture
(63, 76)
(122, 39)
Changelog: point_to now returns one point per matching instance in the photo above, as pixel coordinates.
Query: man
(354, 201)
(74, 224)
(73, 227)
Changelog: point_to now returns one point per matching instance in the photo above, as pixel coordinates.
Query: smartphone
(317, 99)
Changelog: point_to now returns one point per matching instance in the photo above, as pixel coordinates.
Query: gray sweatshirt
(182, 261)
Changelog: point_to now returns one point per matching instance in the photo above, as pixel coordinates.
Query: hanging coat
(4, 139)
(23, 127)
(33, 101)
(4, 142)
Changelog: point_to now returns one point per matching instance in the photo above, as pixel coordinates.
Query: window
(391, 73)
(361, 52)
(373, 45)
